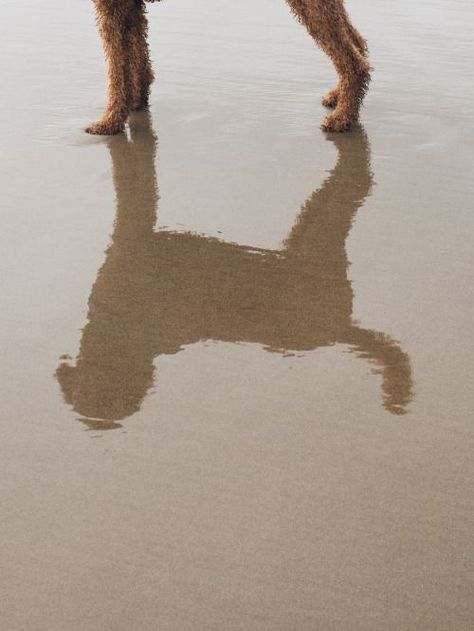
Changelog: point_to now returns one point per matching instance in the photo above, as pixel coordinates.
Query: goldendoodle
(123, 27)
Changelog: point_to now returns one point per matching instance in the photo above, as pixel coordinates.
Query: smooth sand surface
(236, 353)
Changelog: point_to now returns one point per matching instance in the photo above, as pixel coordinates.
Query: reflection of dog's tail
(391, 362)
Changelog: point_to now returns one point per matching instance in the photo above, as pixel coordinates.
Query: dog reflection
(158, 292)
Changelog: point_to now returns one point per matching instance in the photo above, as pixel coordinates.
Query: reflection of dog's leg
(318, 239)
(114, 368)
(141, 72)
(114, 20)
(327, 25)
(326, 218)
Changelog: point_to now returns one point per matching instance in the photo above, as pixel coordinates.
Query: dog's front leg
(113, 18)
(141, 72)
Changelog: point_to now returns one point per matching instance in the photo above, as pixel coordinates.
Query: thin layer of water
(276, 324)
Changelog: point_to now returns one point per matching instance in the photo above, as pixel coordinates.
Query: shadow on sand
(160, 291)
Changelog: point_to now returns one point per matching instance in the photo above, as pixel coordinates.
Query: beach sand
(237, 353)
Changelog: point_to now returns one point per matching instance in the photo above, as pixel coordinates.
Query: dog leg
(141, 72)
(331, 98)
(325, 23)
(113, 18)
(359, 42)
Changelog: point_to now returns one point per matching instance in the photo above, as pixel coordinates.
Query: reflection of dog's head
(103, 394)
(160, 291)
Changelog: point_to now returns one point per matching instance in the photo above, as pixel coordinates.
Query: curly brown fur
(327, 22)
(332, 97)
(123, 27)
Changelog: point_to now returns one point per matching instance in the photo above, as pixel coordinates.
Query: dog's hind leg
(331, 98)
(114, 20)
(325, 23)
(359, 42)
(141, 72)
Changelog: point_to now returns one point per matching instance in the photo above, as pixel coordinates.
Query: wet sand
(236, 352)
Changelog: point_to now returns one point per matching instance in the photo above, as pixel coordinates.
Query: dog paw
(331, 98)
(105, 128)
(336, 123)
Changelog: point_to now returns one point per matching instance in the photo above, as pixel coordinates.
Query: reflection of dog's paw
(331, 98)
(105, 128)
(336, 122)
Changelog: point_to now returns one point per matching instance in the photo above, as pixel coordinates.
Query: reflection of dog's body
(160, 291)
(123, 27)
